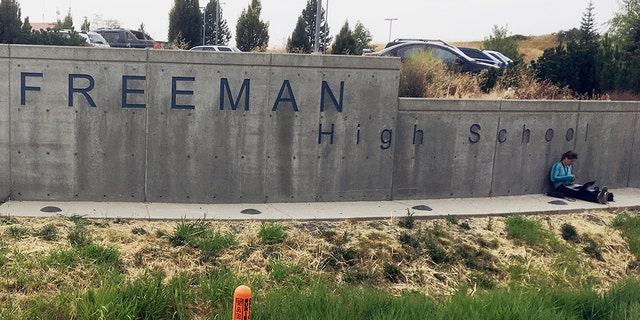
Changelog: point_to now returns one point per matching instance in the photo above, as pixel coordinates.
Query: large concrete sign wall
(179, 126)
(205, 127)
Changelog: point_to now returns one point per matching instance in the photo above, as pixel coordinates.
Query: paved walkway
(628, 198)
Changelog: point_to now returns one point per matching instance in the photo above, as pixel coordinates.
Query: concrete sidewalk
(628, 198)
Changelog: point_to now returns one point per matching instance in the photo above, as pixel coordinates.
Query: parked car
(498, 55)
(481, 56)
(124, 38)
(451, 56)
(218, 48)
(94, 39)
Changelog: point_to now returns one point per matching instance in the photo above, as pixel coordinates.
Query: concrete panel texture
(5, 147)
(206, 127)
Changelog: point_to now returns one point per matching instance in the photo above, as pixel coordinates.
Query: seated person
(563, 179)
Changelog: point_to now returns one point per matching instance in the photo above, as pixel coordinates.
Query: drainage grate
(250, 211)
(51, 209)
(422, 207)
(558, 202)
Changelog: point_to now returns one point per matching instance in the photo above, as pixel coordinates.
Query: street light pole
(390, 23)
(204, 22)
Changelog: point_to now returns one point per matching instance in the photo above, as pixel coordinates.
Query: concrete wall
(147, 125)
(178, 126)
(490, 148)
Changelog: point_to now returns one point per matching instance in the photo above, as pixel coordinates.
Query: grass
(522, 269)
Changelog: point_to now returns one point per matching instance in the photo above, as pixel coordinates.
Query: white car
(216, 48)
(94, 39)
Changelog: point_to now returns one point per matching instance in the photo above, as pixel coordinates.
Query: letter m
(225, 94)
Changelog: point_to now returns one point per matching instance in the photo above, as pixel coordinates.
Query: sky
(448, 20)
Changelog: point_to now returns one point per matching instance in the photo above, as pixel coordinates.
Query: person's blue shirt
(561, 175)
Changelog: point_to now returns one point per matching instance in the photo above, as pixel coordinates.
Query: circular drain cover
(50, 209)
(558, 202)
(250, 211)
(422, 207)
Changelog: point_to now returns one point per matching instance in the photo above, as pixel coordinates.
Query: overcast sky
(449, 20)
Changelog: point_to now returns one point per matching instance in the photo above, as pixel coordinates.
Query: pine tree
(185, 23)
(216, 28)
(363, 38)
(86, 25)
(309, 15)
(252, 34)
(10, 24)
(299, 40)
(345, 42)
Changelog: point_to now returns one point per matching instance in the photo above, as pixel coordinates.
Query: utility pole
(316, 47)
(204, 22)
(390, 23)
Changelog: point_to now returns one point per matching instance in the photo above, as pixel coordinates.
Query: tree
(10, 24)
(216, 28)
(86, 25)
(625, 48)
(500, 41)
(363, 38)
(67, 23)
(572, 62)
(345, 43)
(185, 22)
(252, 34)
(299, 40)
(310, 14)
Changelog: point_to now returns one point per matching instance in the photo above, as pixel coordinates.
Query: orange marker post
(242, 303)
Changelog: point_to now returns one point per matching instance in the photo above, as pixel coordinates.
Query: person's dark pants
(579, 193)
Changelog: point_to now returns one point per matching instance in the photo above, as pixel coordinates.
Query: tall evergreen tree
(299, 40)
(86, 25)
(363, 38)
(216, 28)
(185, 23)
(309, 15)
(625, 32)
(10, 23)
(252, 34)
(345, 43)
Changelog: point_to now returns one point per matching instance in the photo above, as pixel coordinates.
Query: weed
(527, 230)
(409, 240)
(465, 226)
(101, 255)
(592, 248)
(630, 227)
(78, 220)
(188, 232)
(49, 233)
(210, 246)
(7, 221)
(61, 259)
(489, 224)
(139, 231)
(453, 219)
(79, 237)
(407, 222)
(392, 273)
(17, 232)
(272, 233)
(569, 233)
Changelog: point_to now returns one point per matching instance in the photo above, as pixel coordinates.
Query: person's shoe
(603, 195)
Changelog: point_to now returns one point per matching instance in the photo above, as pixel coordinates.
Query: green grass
(105, 289)
(630, 227)
(272, 233)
